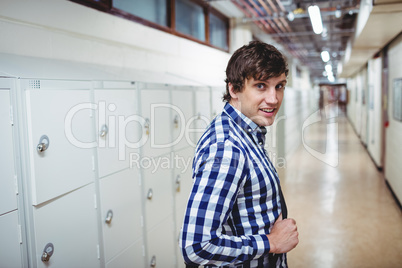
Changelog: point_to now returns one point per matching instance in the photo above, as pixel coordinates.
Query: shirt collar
(246, 124)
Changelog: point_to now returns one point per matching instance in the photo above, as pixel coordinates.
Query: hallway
(346, 215)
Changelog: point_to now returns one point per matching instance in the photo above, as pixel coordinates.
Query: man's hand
(284, 236)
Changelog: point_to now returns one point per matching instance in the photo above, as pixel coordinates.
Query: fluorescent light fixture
(328, 68)
(331, 78)
(315, 17)
(325, 56)
(291, 16)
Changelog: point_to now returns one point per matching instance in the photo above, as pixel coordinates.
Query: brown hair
(256, 60)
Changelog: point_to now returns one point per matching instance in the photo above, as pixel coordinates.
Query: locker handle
(153, 261)
(104, 130)
(47, 252)
(150, 194)
(109, 216)
(176, 121)
(43, 144)
(178, 183)
(147, 126)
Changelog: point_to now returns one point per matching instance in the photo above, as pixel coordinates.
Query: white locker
(8, 189)
(61, 120)
(202, 111)
(69, 224)
(183, 178)
(10, 251)
(158, 190)
(121, 214)
(117, 124)
(133, 255)
(162, 245)
(156, 112)
(182, 115)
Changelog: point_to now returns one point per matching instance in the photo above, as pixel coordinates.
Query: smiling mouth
(268, 110)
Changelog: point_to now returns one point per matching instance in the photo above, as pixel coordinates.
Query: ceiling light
(315, 17)
(291, 16)
(328, 68)
(338, 12)
(325, 56)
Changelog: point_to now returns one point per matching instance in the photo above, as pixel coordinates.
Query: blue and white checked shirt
(235, 198)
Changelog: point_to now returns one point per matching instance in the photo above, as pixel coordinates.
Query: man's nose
(270, 96)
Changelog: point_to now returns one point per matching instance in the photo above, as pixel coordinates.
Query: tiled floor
(345, 213)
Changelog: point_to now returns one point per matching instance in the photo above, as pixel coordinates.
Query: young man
(236, 214)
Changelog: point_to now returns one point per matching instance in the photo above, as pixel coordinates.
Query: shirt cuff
(261, 244)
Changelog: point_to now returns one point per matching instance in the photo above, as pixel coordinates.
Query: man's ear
(232, 93)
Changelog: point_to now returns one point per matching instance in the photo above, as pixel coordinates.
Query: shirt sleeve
(219, 171)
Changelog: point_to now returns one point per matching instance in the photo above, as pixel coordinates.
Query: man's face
(260, 100)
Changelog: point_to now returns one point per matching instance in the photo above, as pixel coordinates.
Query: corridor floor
(346, 215)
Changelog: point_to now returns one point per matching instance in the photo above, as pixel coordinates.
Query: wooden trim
(103, 5)
(107, 6)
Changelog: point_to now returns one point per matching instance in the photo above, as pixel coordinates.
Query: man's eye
(280, 86)
(260, 86)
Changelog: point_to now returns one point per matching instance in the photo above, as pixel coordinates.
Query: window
(191, 19)
(152, 10)
(218, 32)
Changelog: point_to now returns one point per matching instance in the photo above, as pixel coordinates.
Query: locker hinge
(93, 163)
(139, 180)
(95, 202)
(98, 250)
(142, 221)
(20, 232)
(11, 115)
(16, 184)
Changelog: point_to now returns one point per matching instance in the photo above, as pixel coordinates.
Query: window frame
(107, 6)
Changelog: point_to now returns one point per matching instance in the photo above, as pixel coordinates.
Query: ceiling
(296, 35)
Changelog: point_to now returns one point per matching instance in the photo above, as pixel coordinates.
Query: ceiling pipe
(255, 14)
(258, 23)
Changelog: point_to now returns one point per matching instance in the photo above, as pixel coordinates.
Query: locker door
(69, 224)
(10, 252)
(133, 255)
(158, 186)
(182, 114)
(117, 127)
(121, 213)
(202, 111)
(183, 186)
(162, 244)
(61, 120)
(159, 212)
(8, 198)
(155, 110)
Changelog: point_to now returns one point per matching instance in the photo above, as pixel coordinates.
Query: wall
(374, 102)
(393, 167)
(60, 29)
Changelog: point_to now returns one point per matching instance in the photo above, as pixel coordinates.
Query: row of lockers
(103, 171)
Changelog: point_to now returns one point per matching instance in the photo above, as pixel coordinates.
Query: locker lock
(43, 144)
(153, 261)
(176, 121)
(178, 183)
(104, 130)
(109, 216)
(147, 126)
(150, 194)
(47, 252)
